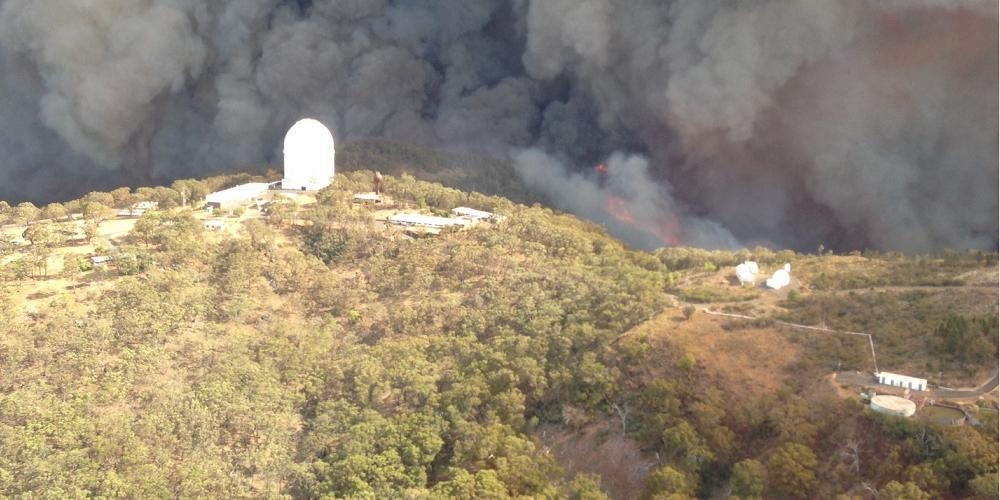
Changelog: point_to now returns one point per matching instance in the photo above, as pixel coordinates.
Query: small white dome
(309, 156)
(779, 279)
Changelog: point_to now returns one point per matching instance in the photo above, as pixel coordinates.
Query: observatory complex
(309, 166)
(309, 156)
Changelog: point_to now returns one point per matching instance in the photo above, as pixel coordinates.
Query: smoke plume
(852, 124)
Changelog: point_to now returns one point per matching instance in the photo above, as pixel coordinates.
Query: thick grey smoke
(622, 196)
(794, 122)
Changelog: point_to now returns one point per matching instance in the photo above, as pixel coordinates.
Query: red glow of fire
(619, 210)
(601, 168)
(665, 227)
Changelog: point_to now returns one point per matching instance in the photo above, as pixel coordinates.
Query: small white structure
(428, 221)
(138, 209)
(897, 380)
(369, 198)
(893, 405)
(215, 225)
(781, 278)
(309, 156)
(747, 272)
(100, 260)
(472, 214)
(236, 195)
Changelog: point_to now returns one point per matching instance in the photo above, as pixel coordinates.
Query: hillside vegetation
(457, 170)
(311, 351)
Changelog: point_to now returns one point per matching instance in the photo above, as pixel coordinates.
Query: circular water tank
(309, 156)
(893, 405)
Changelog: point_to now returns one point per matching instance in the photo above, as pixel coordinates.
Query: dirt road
(939, 394)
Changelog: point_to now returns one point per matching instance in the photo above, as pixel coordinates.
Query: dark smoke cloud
(626, 191)
(796, 123)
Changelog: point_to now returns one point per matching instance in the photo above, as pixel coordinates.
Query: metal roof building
(368, 198)
(236, 195)
(904, 381)
(471, 213)
(427, 221)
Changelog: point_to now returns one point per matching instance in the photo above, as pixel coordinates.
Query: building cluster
(895, 405)
(309, 164)
(461, 217)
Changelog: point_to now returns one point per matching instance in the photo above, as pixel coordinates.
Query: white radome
(309, 156)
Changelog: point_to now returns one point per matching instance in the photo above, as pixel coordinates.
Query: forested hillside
(312, 351)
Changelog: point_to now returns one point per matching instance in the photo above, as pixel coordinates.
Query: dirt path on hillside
(915, 288)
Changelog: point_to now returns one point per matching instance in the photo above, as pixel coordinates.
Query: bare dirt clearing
(755, 360)
(600, 448)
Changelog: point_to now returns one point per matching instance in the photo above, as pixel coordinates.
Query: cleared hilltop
(306, 348)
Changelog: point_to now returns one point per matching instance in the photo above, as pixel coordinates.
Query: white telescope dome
(309, 156)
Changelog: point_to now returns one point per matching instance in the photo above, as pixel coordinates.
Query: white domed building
(309, 156)
(781, 278)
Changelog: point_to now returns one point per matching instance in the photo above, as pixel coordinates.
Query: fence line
(871, 343)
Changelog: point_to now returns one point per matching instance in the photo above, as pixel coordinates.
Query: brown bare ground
(600, 448)
(754, 360)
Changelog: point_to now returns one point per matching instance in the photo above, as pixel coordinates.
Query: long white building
(236, 195)
(427, 221)
(471, 213)
(897, 380)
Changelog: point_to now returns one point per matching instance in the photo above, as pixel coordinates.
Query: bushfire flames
(665, 226)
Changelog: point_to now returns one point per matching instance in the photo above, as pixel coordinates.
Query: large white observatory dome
(309, 156)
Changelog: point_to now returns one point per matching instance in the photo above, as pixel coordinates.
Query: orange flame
(618, 209)
(666, 227)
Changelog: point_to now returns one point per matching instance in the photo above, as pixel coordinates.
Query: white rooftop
(238, 193)
(891, 404)
(471, 212)
(903, 378)
(427, 220)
